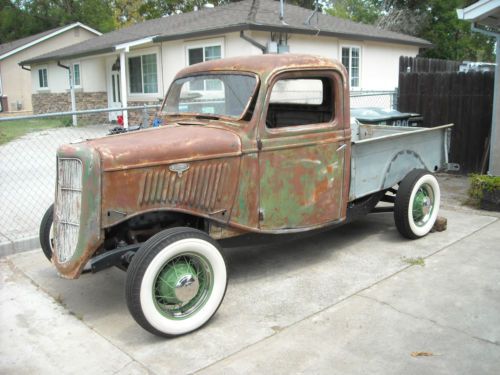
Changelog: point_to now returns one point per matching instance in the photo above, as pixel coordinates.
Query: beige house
(136, 65)
(15, 82)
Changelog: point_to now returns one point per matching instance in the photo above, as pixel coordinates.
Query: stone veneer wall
(140, 116)
(61, 102)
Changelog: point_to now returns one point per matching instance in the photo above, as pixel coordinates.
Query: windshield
(211, 94)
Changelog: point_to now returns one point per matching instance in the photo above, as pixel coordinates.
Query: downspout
(494, 163)
(253, 42)
(24, 68)
(71, 91)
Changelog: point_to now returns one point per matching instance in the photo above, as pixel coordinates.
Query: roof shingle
(242, 15)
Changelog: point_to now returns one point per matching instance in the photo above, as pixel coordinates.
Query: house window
(351, 57)
(76, 75)
(143, 74)
(42, 78)
(201, 54)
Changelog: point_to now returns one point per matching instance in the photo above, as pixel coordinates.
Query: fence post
(394, 98)
(145, 118)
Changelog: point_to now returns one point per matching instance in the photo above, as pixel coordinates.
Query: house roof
(243, 15)
(10, 48)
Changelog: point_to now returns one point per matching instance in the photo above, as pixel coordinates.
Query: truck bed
(381, 156)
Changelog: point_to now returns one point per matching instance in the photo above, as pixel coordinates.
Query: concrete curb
(19, 246)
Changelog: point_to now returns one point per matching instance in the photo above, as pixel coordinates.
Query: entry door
(301, 161)
(115, 95)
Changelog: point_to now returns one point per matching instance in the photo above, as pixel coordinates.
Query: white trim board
(479, 10)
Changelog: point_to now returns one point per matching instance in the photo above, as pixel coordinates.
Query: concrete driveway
(347, 301)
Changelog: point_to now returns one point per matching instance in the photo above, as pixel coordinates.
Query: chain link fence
(374, 99)
(28, 147)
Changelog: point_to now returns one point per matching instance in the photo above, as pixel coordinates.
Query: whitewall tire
(417, 204)
(176, 281)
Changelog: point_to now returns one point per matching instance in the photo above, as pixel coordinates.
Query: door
(115, 98)
(302, 148)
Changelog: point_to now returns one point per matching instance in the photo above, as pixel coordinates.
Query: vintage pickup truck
(260, 144)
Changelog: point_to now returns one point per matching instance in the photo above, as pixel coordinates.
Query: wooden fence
(465, 99)
(425, 65)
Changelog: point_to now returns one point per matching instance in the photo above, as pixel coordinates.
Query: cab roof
(262, 64)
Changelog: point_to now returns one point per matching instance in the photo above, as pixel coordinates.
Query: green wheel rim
(423, 205)
(183, 286)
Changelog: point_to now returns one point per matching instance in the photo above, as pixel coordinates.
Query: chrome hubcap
(423, 205)
(186, 288)
(182, 286)
(426, 206)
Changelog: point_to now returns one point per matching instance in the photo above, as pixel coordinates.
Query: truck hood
(165, 145)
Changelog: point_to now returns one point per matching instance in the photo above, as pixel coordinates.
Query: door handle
(341, 147)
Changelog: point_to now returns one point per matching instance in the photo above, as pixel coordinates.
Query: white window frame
(138, 53)
(203, 44)
(351, 46)
(79, 72)
(219, 42)
(38, 69)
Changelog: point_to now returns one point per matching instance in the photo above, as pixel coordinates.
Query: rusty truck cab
(293, 166)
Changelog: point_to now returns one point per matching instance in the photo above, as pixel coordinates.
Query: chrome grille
(68, 207)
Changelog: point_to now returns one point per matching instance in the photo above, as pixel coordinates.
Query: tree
(356, 10)
(433, 20)
(126, 12)
(453, 38)
(152, 9)
(20, 18)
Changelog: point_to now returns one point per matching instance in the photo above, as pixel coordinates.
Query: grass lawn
(10, 130)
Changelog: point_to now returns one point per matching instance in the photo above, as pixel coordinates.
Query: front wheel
(46, 234)
(417, 204)
(176, 282)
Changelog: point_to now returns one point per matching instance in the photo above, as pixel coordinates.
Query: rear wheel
(46, 234)
(417, 204)
(176, 282)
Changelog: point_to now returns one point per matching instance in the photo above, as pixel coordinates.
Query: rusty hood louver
(201, 186)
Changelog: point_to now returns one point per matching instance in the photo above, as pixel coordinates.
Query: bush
(480, 183)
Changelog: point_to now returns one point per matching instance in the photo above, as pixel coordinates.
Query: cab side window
(300, 101)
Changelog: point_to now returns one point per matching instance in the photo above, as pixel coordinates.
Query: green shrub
(480, 183)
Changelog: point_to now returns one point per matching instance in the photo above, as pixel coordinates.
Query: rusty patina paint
(206, 189)
(298, 181)
(166, 145)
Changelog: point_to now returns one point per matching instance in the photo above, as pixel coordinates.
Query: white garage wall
(380, 64)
